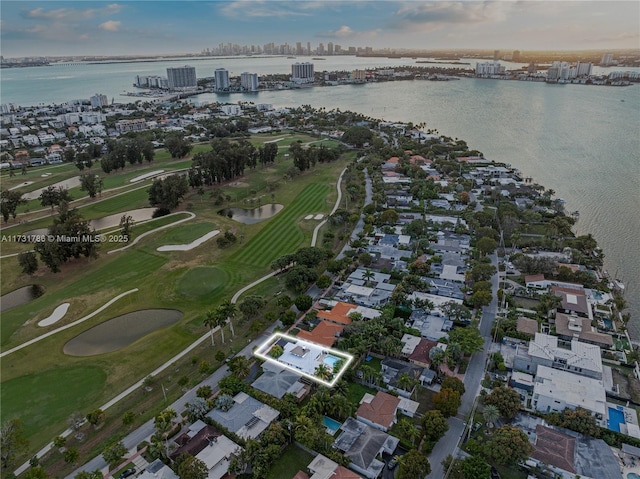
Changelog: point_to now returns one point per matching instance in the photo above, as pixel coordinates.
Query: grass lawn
(289, 463)
(191, 281)
(424, 396)
(32, 399)
(507, 473)
(357, 391)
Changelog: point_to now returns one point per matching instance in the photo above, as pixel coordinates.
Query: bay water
(581, 141)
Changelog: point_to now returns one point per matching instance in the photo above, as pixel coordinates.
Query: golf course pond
(20, 296)
(121, 331)
(253, 215)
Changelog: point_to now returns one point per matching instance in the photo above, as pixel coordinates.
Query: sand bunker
(146, 175)
(56, 316)
(274, 141)
(68, 184)
(187, 247)
(308, 217)
(318, 217)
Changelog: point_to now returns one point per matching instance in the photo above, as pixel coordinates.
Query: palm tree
(490, 414)
(409, 430)
(210, 322)
(340, 407)
(220, 321)
(406, 382)
(323, 372)
(368, 275)
(230, 311)
(240, 367)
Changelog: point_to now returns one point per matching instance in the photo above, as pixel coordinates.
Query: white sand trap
(56, 316)
(193, 244)
(45, 175)
(308, 217)
(274, 141)
(26, 183)
(146, 175)
(70, 183)
(318, 217)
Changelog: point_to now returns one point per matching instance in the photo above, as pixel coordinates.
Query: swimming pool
(633, 475)
(616, 417)
(331, 361)
(332, 425)
(607, 323)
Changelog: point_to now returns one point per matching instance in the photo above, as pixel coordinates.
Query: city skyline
(51, 28)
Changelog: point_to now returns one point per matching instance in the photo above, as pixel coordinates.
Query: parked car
(128, 472)
(393, 462)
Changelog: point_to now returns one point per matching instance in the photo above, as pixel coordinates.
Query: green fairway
(184, 234)
(47, 398)
(283, 234)
(201, 282)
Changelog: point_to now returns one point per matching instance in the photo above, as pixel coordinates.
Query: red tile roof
(339, 313)
(421, 352)
(381, 410)
(324, 333)
(301, 475)
(554, 448)
(343, 473)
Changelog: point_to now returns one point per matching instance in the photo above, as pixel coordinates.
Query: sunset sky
(154, 26)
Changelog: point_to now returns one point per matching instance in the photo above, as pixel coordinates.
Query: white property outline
(274, 339)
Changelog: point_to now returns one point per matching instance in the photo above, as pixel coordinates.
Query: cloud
(435, 14)
(71, 14)
(346, 32)
(261, 8)
(110, 26)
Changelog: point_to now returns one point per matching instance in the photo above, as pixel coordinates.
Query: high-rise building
(98, 100)
(308, 48)
(302, 72)
(320, 48)
(532, 68)
(489, 68)
(516, 56)
(496, 55)
(330, 48)
(607, 59)
(182, 77)
(249, 81)
(298, 48)
(222, 79)
(584, 69)
(337, 49)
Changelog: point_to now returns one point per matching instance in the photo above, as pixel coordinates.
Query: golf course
(43, 386)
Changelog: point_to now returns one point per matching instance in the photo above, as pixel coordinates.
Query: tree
(475, 467)
(224, 402)
(197, 409)
(204, 391)
(71, 455)
(288, 317)
(408, 430)
(482, 271)
(114, 453)
(89, 475)
(303, 302)
(357, 136)
(92, 184)
(469, 338)
(13, 442)
(414, 465)
(59, 441)
(434, 425)
(486, 245)
(126, 222)
(447, 401)
(240, 367)
(28, 262)
(168, 193)
(508, 445)
(579, 419)
(490, 413)
(35, 472)
(189, 467)
(75, 421)
(52, 196)
(211, 322)
(454, 383)
(323, 372)
(505, 399)
(177, 145)
(323, 281)
(9, 202)
(481, 298)
(96, 417)
(128, 418)
(251, 306)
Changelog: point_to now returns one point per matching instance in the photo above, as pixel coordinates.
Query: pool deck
(628, 463)
(630, 425)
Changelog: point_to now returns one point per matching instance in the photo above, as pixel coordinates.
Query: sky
(50, 28)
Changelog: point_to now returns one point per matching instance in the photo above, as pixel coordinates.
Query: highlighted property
(314, 361)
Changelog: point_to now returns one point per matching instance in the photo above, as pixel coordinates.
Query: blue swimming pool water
(608, 323)
(331, 361)
(332, 425)
(616, 418)
(633, 475)
(597, 295)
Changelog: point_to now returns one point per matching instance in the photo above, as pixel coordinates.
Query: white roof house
(556, 390)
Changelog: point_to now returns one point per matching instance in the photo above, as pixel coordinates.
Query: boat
(318, 58)
(290, 57)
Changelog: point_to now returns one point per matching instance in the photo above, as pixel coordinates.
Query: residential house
(361, 444)
(278, 381)
(324, 468)
(378, 411)
(571, 326)
(247, 418)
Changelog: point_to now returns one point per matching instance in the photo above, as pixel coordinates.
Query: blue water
(597, 295)
(616, 418)
(331, 361)
(608, 323)
(633, 475)
(331, 424)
